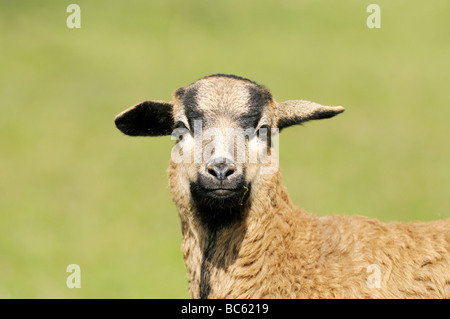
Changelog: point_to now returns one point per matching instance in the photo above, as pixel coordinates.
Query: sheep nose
(220, 169)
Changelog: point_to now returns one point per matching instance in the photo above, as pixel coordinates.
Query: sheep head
(225, 129)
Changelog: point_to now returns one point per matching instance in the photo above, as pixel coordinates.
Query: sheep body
(243, 238)
(284, 252)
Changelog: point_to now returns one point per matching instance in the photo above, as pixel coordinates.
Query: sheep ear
(148, 118)
(299, 111)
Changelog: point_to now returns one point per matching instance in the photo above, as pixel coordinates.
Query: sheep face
(225, 129)
(224, 138)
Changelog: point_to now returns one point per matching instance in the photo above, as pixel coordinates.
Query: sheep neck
(213, 251)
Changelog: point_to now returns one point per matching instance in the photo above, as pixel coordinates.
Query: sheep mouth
(219, 196)
(221, 192)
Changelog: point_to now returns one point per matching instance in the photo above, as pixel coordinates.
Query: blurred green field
(73, 189)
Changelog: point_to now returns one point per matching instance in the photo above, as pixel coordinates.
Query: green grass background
(73, 189)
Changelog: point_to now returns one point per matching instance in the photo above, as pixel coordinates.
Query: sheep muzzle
(212, 192)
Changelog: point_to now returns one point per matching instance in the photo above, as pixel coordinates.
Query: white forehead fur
(228, 96)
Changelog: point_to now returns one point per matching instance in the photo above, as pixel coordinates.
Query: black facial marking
(180, 92)
(191, 109)
(205, 273)
(190, 98)
(259, 98)
(231, 76)
(215, 213)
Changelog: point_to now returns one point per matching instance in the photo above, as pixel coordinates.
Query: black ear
(148, 118)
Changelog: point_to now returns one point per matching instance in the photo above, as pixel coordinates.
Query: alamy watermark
(374, 19)
(74, 279)
(74, 19)
(374, 279)
(236, 145)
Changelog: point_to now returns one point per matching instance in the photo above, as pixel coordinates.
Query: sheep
(243, 237)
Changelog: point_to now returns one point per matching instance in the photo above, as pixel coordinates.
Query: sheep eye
(180, 130)
(264, 132)
(180, 124)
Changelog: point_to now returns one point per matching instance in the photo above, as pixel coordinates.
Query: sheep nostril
(230, 170)
(221, 170)
(212, 170)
